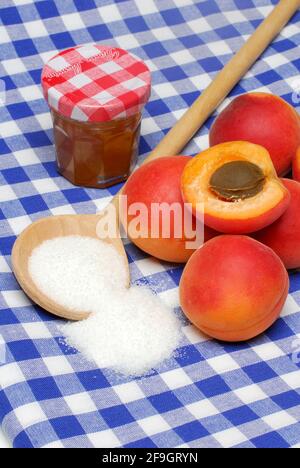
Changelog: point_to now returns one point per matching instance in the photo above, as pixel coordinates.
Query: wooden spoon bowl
(49, 228)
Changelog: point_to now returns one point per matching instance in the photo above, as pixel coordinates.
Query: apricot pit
(237, 180)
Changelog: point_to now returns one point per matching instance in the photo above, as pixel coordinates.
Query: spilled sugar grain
(129, 330)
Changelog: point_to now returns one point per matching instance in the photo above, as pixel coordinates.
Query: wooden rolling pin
(178, 137)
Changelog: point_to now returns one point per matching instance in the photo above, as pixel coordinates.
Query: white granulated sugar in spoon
(129, 330)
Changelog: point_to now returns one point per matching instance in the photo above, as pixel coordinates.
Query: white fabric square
(104, 439)
(133, 84)
(58, 365)
(163, 34)
(110, 13)
(7, 194)
(292, 379)
(35, 28)
(194, 335)
(268, 351)
(250, 394)
(230, 437)
(127, 42)
(30, 414)
(4, 266)
(73, 21)
(8, 129)
(223, 363)
(154, 425)
(202, 409)
(19, 224)
(219, 48)
(182, 57)
(176, 378)
(279, 420)
(31, 93)
(128, 392)
(45, 185)
(165, 90)
(37, 330)
(14, 66)
(59, 63)
(10, 374)
(80, 80)
(80, 403)
(110, 67)
(16, 299)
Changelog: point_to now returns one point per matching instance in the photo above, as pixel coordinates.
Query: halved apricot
(235, 186)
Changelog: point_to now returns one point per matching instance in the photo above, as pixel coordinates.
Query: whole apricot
(233, 288)
(283, 236)
(264, 119)
(155, 184)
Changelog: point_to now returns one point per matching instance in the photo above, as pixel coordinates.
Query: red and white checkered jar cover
(94, 83)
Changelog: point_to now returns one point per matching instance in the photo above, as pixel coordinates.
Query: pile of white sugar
(129, 330)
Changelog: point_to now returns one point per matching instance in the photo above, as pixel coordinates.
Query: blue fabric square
(93, 380)
(5, 406)
(244, 4)
(279, 331)
(164, 402)
(213, 386)
(34, 204)
(142, 443)
(241, 415)
(172, 16)
(270, 441)
(174, 73)
(287, 400)
(268, 77)
(283, 45)
(36, 75)
(154, 50)
(136, 24)
(4, 149)
(84, 5)
(25, 47)
(191, 431)
(23, 350)
(259, 372)
(44, 388)
(37, 139)
(7, 317)
(227, 32)
(157, 108)
(211, 64)
(188, 355)
(100, 32)
(208, 7)
(76, 195)
(116, 416)
(47, 9)
(66, 427)
(6, 244)
(15, 175)
(10, 16)
(62, 40)
(191, 41)
(19, 110)
(22, 441)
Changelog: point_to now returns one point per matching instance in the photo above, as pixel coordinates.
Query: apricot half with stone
(235, 187)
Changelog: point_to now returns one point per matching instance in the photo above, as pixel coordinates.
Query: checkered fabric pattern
(84, 78)
(210, 394)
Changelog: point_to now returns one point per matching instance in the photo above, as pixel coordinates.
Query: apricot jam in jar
(96, 95)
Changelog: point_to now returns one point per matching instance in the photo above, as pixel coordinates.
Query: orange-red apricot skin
(283, 236)
(296, 166)
(264, 119)
(159, 182)
(233, 288)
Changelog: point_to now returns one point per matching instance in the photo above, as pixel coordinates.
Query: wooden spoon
(173, 143)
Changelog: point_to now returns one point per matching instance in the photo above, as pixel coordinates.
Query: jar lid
(96, 83)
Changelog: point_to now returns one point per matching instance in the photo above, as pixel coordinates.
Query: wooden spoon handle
(227, 78)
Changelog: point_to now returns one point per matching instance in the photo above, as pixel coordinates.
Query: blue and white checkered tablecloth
(212, 394)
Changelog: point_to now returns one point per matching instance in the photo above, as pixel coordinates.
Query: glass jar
(96, 95)
(96, 154)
